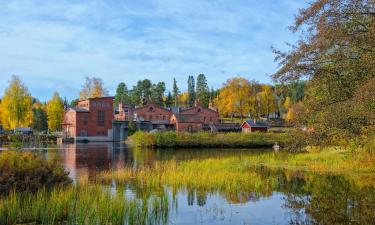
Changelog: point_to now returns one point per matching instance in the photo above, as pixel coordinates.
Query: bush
(27, 171)
(208, 140)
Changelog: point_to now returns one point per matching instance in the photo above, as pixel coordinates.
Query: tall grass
(82, 204)
(208, 140)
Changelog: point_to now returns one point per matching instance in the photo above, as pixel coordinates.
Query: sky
(53, 45)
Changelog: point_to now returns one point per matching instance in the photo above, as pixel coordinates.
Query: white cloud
(53, 45)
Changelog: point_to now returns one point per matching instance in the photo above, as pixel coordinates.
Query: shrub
(27, 171)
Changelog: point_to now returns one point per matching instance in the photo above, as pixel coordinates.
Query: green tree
(202, 91)
(55, 112)
(122, 94)
(39, 117)
(16, 105)
(191, 91)
(176, 92)
(157, 93)
(169, 100)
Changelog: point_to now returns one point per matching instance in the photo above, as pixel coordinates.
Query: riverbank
(207, 140)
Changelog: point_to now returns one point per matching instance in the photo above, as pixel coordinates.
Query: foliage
(336, 54)
(122, 94)
(26, 171)
(176, 92)
(92, 88)
(55, 112)
(208, 140)
(169, 100)
(267, 100)
(39, 117)
(234, 97)
(202, 90)
(157, 93)
(16, 105)
(191, 91)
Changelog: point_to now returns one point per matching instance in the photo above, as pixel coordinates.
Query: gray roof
(256, 123)
(79, 109)
(187, 118)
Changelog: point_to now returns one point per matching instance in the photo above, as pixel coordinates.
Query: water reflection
(276, 196)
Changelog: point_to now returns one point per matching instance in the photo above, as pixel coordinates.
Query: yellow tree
(55, 112)
(183, 98)
(93, 88)
(234, 97)
(16, 106)
(267, 100)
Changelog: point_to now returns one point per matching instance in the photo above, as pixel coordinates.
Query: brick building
(91, 120)
(205, 115)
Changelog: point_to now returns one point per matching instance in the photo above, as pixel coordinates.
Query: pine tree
(191, 91)
(203, 92)
(122, 94)
(175, 92)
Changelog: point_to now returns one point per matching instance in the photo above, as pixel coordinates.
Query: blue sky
(53, 45)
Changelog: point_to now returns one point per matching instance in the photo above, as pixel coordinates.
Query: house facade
(92, 120)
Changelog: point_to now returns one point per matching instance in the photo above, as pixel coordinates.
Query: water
(281, 197)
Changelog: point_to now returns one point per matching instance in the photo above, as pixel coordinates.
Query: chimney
(255, 120)
(198, 102)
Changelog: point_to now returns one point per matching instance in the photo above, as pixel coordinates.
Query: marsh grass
(207, 140)
(87, 204)
(243, 173)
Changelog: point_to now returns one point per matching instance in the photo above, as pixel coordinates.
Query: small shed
(252, 126)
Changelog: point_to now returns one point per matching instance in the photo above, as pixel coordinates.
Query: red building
(90, 120)
(252, 126)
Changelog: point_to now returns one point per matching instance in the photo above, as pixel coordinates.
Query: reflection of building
(93, 120)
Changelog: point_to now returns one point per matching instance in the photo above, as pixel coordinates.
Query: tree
(191, 91)
(39, 116)
(122, 94)
(146, 91)
(92, 88)
(74, 103)
(175, 92)
(267, 100)
(234, 97)
(336, 53)
(202, 91)
(169, 100)
(157, 93)
(16, 105)
(55, 112)
(184, 99)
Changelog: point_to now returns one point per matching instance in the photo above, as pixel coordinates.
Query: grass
(238, 174)
(82, 204)
(207, 140)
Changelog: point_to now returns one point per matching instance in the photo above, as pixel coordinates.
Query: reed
(87, 204)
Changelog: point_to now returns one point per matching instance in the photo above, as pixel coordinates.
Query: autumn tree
(234, 96)
(336, 53)
(93, 88)
(16, 105)
(55, 112)
(267, 100)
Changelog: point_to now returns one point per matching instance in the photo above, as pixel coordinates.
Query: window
(83, 133)
(150, 109)
(199, 109)
(101, 118)
(94, 104)
(164, 117)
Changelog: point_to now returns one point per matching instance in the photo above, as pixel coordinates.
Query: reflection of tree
(190, 196)
(201, 197)
(333, 200)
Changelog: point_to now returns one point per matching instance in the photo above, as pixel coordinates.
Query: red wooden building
(252, 126)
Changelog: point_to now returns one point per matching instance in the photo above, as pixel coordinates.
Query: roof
(187, 118)
(79, 109)
(96, 98)
(194, 107)
(255, 124)
(152, 105)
